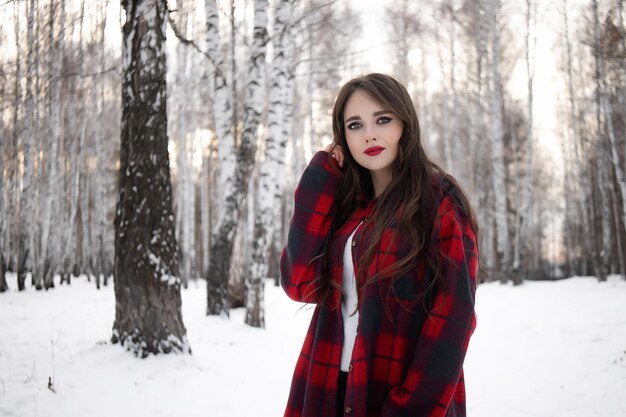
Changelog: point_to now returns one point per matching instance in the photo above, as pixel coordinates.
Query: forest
(156, 143)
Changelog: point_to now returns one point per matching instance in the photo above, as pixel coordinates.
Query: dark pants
(341, 392)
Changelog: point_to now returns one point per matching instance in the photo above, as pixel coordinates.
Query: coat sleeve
(309, 228)
(430, 388)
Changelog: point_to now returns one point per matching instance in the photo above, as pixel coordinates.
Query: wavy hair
(409, 202)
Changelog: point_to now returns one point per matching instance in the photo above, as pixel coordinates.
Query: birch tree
(497, 147)
(579, 193)
(185, 190)
(603, 50)
(102, 242)
(26, 139)
(235, 191)
(48, 257)
(602, 209)
(404, 25)
(5, 149)
(147, 287)
(524, 211)
(223, 108)
(269, 198)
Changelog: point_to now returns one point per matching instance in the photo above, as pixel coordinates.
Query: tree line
(246, 94)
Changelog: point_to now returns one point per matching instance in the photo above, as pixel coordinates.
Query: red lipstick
(374, 150)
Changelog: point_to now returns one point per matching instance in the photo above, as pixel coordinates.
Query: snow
(543, 349)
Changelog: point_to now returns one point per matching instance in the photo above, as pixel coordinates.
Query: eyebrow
(376, 113)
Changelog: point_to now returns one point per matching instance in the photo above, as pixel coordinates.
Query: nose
(369, 136)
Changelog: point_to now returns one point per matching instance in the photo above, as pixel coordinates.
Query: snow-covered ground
(544, 349)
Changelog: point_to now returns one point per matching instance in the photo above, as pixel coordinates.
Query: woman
(384, 242)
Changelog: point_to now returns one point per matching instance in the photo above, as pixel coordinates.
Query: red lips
(374, 150)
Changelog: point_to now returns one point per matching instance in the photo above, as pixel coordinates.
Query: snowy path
(545, 349)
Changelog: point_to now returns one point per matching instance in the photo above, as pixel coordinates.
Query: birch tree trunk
(82, 225)
(12, 211)
(608, 124)
(454, 140)
(205, 209)
(4, 150)
(100, 244)
(26, 144)
(50, 227)
(147, 287)
(525, 210)
(603, 242)
(233, 69)
(235, 192)
(223, 108)
(581, 198)
(269, 197)
(497, 146)
(444, 135)
(404, 25)
(185, 213)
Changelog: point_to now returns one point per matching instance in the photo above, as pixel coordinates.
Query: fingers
(336, 152)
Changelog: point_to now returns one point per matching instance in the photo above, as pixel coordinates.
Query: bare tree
(185, 190)
(404, 24)
(147, 287)
(235, 191)
(102, 237)
(496, 135)
(524, 211)
(602, 207)
(223, 107)
(48, 262)
(580, 185)
(269, 197)
(26, 139)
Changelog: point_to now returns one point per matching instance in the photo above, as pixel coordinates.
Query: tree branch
(192, 43)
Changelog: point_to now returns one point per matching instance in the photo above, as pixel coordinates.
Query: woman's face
(372, 133)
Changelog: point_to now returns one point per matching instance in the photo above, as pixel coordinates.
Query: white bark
(12, 185)
(222, 106)
(581, 198)
(497, 145)
(446, 109)
(605, 109)
(185, 198)
(525, 209)
(84, 226)
(236, 191)
(603, 157)
(100, 246)
(453, 139)
(403, 22)
(26, 139)
(205, 208)
(269, 197)
(49, 259)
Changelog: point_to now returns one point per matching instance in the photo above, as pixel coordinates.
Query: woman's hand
(336, 152)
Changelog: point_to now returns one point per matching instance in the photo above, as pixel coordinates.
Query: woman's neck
(380, 180)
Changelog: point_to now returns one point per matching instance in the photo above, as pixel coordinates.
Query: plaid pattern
(406, 361)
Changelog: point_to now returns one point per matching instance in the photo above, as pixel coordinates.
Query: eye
(383, 120)
(354, 125)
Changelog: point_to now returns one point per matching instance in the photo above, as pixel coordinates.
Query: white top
(348, 305)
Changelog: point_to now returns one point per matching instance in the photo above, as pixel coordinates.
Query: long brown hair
(409, 200)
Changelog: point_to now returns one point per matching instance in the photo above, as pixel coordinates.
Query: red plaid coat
(406, 361)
